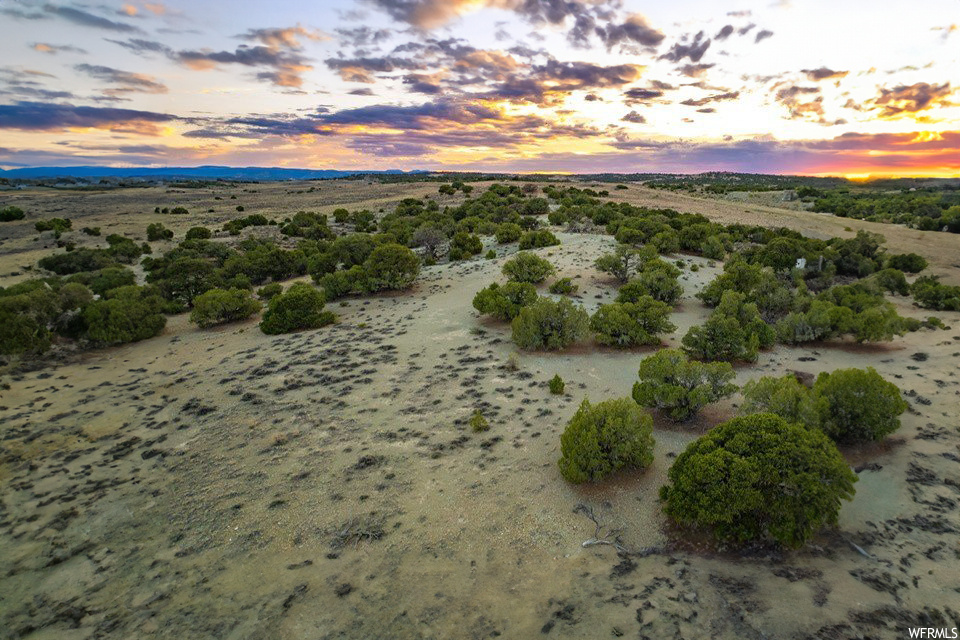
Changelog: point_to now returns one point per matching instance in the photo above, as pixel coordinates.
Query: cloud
(365, 91)
(285, 68)
(44, 116)
(363, 69)
(142, 47)
(283, 38)
(823, 73)
(908, 99)
(54, 49)
(695, 70)
(763, 35)
(695, 50)
(634, 117)
(85, 19)
(719, 97)
(639, 95)
(129, 82)
(635, 29)
(724, 33)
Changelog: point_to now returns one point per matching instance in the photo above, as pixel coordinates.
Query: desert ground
(224, 483)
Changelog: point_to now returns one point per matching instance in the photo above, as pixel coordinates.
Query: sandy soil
(325, 484)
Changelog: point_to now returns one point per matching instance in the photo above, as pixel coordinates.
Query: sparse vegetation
(604, 438)
(549, 324)
(680, 387)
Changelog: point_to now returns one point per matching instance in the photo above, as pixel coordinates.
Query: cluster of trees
(928, 209)
(774, 473)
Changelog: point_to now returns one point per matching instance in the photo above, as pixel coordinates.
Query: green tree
(157, 231)
(757, 478)
(556, 385)
(508, 232)
(907, 262)
(681, 387)
(527, 267)
(299, 307)
(391, 267)
(604, 438)
(785, 397)
(734, 331)
(11, 213)
(504, 302)
(127, 314)
(220, 306)
(630, 324)
(658, 284)
(538, 239)
(463, 245)
(549, 324)
(858, 405)
(199, 233)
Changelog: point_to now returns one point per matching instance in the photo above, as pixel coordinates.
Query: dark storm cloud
(43, 116)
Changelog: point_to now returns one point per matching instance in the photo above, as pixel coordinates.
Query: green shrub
(11, 213)
(538, 239)
(299, 307)
(77, 261)
(758, 478)
(630, 324)
(602, 439)
(27, 311)
(126, 314)
(624, 261)
(508, 232)
(177, 211)
(713, 248)
(734, 331)
(681, 387)
(183, 279)
(666, 242)
(655, 283)
(57, 225)
(269, 291)
(391, 267)
(563, 287)
(858, 405)
(549, 324)
(892, 280)
(343, 283)
(91, 231)
(556, 385)
(786, 397)
(463, 245)
(220, 306)
(157, 231)
(478, 423)
(907, 262)
(105, 279)
(504, 302)
(199, 233)
(929, 293)
(527, 267)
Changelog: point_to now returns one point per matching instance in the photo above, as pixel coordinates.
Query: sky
(820, 87)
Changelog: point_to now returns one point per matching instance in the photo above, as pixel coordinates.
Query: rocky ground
(325, 484)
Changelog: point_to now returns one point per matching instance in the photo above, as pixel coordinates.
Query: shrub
(77, 261)
(268, 292)
(623, 261)
(508, 232)
(630, 324)
(907, 262)
(556, 385)
(183, 279)
(463, 245)
(504, 302)
(431, 239)
(57, 225)
(655, 283)
(756, 478)
(538, 239)
(786, 397)
(11, 213)
(100, 282)
(219, 306)
(26, 312)
(666, 242)
(199, 233)
(713, 248)
(563, 287)
(602, 439)
(858, 405)
(478, 423)
(90, 231)
(929, 293)
(157, 231)
(299, 307)
(342, 283)
(681, 387)
(548, 324)
(527, 267)
(734, 331)
(892, 280)
(178, 211)
(391, 267)
(127, 314)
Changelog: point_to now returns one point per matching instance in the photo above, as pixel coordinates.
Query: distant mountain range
(194, 173)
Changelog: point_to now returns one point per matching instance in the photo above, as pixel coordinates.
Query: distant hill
(205, 173)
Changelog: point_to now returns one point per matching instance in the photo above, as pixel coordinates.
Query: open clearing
(325, 484)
